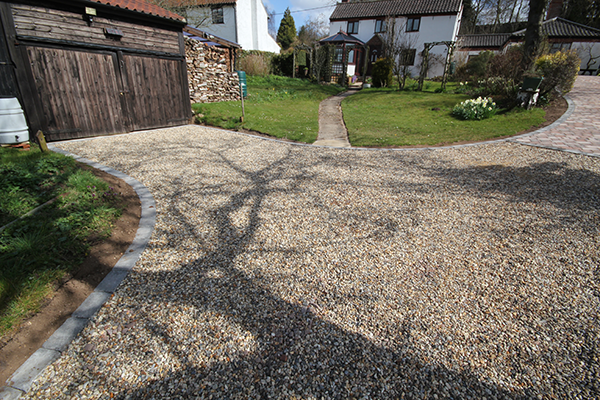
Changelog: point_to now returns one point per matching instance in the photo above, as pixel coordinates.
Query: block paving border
(21, 380)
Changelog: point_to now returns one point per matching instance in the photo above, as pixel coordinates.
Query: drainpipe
(235, 22)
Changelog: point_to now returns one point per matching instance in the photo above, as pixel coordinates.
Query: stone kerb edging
(21, 380)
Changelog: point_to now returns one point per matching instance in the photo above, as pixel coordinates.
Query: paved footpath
(332, 130)
(578, 131)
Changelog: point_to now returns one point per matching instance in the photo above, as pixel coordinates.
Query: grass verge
(278, 106)
(387, 117)
(39, 250)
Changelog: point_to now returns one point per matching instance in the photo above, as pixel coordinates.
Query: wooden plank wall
(80, 92)
(8, 80)
(49, 23)
(157, 95)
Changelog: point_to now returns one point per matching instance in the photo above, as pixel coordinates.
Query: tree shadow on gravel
(553, 182)
(298, 352)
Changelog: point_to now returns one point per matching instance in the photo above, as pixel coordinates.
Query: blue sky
(295, 5)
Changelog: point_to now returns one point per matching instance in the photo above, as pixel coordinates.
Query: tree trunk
(533, 35)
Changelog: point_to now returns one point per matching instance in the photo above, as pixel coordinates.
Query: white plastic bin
(13, 126)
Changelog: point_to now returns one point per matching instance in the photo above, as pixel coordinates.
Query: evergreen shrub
(382, 73)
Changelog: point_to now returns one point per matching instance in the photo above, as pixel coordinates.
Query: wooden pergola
(450, 46)
(347, 43)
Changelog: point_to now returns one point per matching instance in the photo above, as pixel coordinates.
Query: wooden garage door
(79, 91)
(154, 90)
(94, 93)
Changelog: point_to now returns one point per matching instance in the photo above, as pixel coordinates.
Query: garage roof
(141, 7)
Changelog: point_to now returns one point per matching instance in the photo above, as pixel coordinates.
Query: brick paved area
(578, 130)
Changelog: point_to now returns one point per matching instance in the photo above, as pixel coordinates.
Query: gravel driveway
(283, 271)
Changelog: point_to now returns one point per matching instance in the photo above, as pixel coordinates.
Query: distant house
(417, 21)
(568, 35)
(472, 45)
(560, 33)
(240, 21)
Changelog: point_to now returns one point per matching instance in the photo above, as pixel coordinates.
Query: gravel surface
(282, 271)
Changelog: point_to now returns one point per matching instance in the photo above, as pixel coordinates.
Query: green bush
(559, 71)
(497, 86)
(476, 109)
(382, 72)
(476, 67)
(283, 64)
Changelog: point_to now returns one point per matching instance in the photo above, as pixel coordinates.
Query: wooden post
(345, 65)
(450, 46)
(367, 60)
(243, 109)
(42, 141)
(424, 65)
(294, 64)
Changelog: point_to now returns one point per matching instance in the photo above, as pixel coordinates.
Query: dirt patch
(74, 289)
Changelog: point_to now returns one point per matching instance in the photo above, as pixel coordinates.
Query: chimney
(554, 9)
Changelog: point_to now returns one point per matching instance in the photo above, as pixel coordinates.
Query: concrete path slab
(332, 130)
(578, 131)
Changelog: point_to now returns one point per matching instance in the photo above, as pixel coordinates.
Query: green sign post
(243, 90)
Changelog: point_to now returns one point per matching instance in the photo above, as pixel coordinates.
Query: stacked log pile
(209, 77)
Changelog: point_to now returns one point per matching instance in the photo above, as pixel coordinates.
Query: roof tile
(386, 8)
(558, 27)
(486, 41)
(142, 7)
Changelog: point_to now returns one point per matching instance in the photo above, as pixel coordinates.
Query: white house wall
(436, 28)
(253, 27)
(247, 24)
(265, 41)
(226, 30)
(582, 50)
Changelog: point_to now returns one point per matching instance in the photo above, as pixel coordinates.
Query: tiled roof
(558, 27)
(386, 8)
(487, 41)
(184, 3)
(208, 38)
(142, 7)
(341, 37)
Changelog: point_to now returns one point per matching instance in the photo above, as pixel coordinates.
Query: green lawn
(387, 117)
(278, 106)
(38, 250)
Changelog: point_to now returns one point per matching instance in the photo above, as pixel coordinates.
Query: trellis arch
(297, 49)
(450, 45)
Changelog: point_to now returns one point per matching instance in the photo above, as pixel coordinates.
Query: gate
(88, 93)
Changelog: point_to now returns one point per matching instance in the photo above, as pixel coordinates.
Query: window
(556, 47)
(379, 26)
(339, 55)
(217, 15)
(408, 57)
(412, 24)
(337, 68)
(353, 27)
(351, 57)
(374, 55)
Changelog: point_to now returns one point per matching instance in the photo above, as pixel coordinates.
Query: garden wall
(209, 74)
